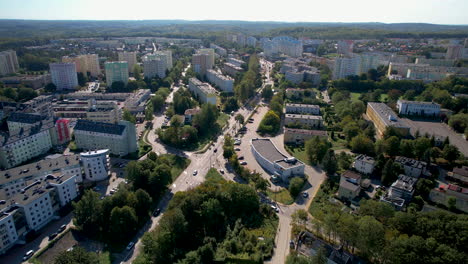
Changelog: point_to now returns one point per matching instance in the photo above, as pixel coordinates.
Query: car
(130, 245)
(251, 119)
(216, 150)
(291, 244)
(243, 163)
(112, 192)
(243, 128)
(221, 171)
(237, 149)
(195, 172)
(156, 212)
(237, 143)
(28, 254)
(275, 178)
(275, 208)
(97, 189)
(62, 228)
(241, 158)
(242, 132)
(52, 236)
(122, 165)
(305, 195)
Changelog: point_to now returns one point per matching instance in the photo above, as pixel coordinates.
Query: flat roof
(365, 158)
(387, 115)
(99, 127)
(6, 139)
(25, 118)
(50, 163)
(303, 105)
(417, 102)
(304, 116)
(305, 131)
(345, 183)
(268, 150)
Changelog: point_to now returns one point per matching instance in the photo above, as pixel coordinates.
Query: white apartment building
(418, 108)
(64, 75)
(302, 109)
(129, 57)
(235, 62)
(116, 71)
(8, 62)
(91, 109)
(17, 121)
(65, 187)
(364, 164)
(120, 138)
(283, 45)
(165, 55)
(15, 179)
(153, 66)
(346, 66)
(232, 69)
(311, 121)
(220, 50)
(27, 144)
(225, 83)
(96, 164)
(85, 63)
(203, 91)
(37, 206)
(8, 234)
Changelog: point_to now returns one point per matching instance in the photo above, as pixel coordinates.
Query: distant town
(234, 148)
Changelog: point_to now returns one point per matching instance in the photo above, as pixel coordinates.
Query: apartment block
(120, 138)
(203, 60)
(283, 45)
(85, 63)
(8, 62)
(235, 62)
(225, 83)
(154, 66)
(300, 136)
(418, 108)
(219, 50)
(130, 58)
(96, 165)
(413, 168)
(31, 81)
(64, 76)
(310, 121)
(346, 66)
(165, 55)
(203, 91)
(116, 71)
(302, 109)
(231, 69)
(383, 116)
(345, 47)
(91, 109)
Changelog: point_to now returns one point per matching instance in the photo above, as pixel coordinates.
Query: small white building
(275, 162)
(413, 168)
(96, 164)
(203, 91)
(302, 109)
(225, 83)
(364, 164)
(418, 108)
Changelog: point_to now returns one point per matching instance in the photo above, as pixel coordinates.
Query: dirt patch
(69, 240)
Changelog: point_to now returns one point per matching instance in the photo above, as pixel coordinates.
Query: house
(349, 185)
(413, 168)
(401, 191)
(364, 164)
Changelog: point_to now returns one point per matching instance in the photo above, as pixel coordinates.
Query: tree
(295, 186)
(329, 162)
(316, 148)
(137, 71)
(205, 120)
(82, 79)
(143, 204)
(117, 87)
(157, 102)
(267, 92)
(390, 172)
(270, 123)
(363, 145)
(50, 88)
(131, 86)
(239, 119)
(77, 255)
(450, 153)
(149, 112)
(127, 116)
(86, 212)
(392, 146)
(300, 217)
(123, 223)
(371, 234)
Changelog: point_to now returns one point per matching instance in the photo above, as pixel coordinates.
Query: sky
(386, 11)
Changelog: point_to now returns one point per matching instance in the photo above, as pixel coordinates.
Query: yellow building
(383, 116)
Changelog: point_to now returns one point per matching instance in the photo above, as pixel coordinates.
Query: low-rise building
(189, 114)
(364, 164)
(430, 109)
(92, 110)
(349, 185)
(309, 121)
(225, 83)
(120, 138)
(459, 174)
(96, 165)
(413, 168)
(203, 91)
(275, 162)
(383, 117)
(450, 194)
(31, 81)
(136, 102)
(300, 136)
(232, 69)
(401, 191)
(302, 109)
(235, 61)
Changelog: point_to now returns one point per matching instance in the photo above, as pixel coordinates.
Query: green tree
(50, 88)
(123, 223)
(239, 119)
(295, 186)
(450, 153)
(329, 162)
(267, 92)
(205, 120)
(158, 102)
(270, 123)
(127, 116)
(137, 71)
(149, 112)
(82, 79)
(117, 87)
(392, 146)
(77, 255)
(371, 237)
(316, 149)
(362, 144)
(390, 172)
(87, 212)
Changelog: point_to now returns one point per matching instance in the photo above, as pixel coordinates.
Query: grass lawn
(282, 196)
(222, 119)
(214, 175)
(338, 143)
(178, 164)
(355, 96)
(298, 152)
(383, 97)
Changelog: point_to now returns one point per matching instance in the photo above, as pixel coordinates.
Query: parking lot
(438, 129)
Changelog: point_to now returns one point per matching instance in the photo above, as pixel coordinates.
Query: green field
(281, 196)
(298, 152)
(213, 175)
(355, 97)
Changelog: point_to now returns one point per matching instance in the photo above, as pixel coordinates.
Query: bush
(295, 186)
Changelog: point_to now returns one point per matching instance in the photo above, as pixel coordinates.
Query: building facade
(153, 67)
(300, 136)
(203, 91)
(430, 109)
(364, 164)
(309, 121)
(302, 109)
(130, 58)
(64, 75)
(96, 165)
(203, 60)
(383, 116)
(85, 63)
(225, 83)
(116, 71)
(8, 62)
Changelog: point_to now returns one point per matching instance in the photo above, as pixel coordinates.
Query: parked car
(62, 228)
(221, 171)
(28, 254)
(156, 212)
(275, 178)
(195, 172)
(305, 195)
(216, 150)
(291, 244)
(237, 149)
(130, 245)
(243, 163)
(241, 158)
(52, 236)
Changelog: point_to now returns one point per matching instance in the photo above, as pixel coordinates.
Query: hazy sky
(389, 11)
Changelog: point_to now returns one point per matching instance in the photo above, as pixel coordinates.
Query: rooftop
(463, 171)
(349, 185)
(50, 163)
(306, 131)
(417, 102)
(304, 116)
(303, 105)
(94, 153)
(6, 139)
(365, 158)
(410, 162)
(268, 150)
(99, 127)
(405, 183)
(351, 175)
(25, 118)
(387, 115)
(192, 111)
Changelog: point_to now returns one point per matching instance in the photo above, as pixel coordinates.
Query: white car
(130, 245)
(28, 254)
(195, 172)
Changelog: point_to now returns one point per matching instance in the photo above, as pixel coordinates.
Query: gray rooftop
(410, 162)
(6, 139)
(99, 127)
(304, 116)
(25, 118)
(364, 158)
(347, 184)
(267, 149)
(387, 115)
